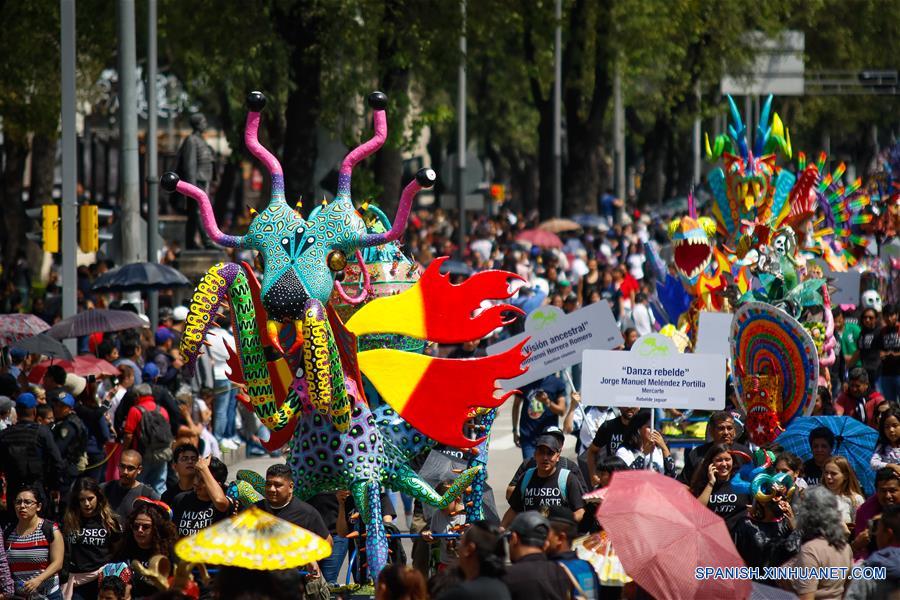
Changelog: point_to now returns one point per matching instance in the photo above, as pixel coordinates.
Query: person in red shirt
(155, 467)
(860, 401)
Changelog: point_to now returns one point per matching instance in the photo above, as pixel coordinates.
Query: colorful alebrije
(769, 342)
(310, 395)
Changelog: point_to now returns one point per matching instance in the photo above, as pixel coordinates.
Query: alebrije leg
(408, 481)
(367, 495)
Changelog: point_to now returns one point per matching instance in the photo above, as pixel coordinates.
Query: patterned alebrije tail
(404, 479)
(205, 302)
(367, 495)
(474, 496)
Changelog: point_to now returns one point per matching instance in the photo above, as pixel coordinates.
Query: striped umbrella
(91, 321)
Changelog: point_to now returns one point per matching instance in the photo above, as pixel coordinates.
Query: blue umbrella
(589, 220)
(852, 439)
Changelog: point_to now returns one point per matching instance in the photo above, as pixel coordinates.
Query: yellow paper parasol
(253, 539)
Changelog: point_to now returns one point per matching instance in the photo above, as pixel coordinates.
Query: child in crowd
(446, 520)
(887, 452)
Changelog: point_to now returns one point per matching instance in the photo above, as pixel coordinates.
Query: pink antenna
(692, 210)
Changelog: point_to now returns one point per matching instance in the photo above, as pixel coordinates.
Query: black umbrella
(44, 344)
(456, 267)
(91, 321)
(138, 277)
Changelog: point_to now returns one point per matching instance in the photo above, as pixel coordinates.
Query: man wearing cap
(546, 484)
(532, 576)
(564, 462)
(28, 455)
(70, 435)
(564, 529)
(544, 403)
(166, 357)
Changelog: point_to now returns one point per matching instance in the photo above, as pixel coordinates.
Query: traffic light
(89, 232)
(48, 238)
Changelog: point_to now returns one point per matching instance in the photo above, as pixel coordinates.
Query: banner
(695, 381)
(558, 339)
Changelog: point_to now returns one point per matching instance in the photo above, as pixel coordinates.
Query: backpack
(561, 480)
(26, 464)
(584, 575)
(155, 441)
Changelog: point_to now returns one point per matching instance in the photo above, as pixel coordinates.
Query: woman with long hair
(839, 478)
(823, 545)
(824, 405)
(711, 484)
(148, 532)
(90, 528)
(887, 452)
(645, 448)
(34, 548)
(482, 558)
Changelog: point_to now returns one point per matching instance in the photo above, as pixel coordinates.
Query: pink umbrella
(540, 237)
(14, 327)
(83, 365)
(661, 534)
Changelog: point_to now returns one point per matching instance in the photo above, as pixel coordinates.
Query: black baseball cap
(549, 440)
(531, 527)
(555, 432)
(561, 514)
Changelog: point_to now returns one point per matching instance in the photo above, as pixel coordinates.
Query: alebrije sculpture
(334, 440)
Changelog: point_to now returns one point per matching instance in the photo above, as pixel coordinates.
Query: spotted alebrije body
(474, 496)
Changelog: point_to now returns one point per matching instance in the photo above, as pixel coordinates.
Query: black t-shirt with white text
(728, 503)
(89, 548)
(545, 491)
(610, 436)
(193, 514)
(889, 341)
(812, 473)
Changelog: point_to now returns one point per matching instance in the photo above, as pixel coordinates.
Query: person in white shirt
(225, 405)
(642, 315)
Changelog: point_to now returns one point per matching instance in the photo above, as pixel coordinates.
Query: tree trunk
(301, 29)
(655, 149)
(43, 164)
(12, 210)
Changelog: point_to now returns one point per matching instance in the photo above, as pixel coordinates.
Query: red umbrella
(540, 237)
(83, 366)
(661, 534)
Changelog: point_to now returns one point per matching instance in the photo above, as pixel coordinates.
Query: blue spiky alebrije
(762, 129)
(784, 182)
(738, 130)
(723, 211)
(674, 299)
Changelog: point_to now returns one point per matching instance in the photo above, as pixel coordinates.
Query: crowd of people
(101, 472)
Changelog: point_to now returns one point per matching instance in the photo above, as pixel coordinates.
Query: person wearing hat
(722, 430)
(166, 358)
(564, 529)
(546, 484)
(564, 462)
(6, 412)
(28, 454)
(70, 435)
(532, 576)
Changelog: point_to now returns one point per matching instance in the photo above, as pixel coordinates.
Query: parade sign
(713, 333)
(558, 339)
(666, 380)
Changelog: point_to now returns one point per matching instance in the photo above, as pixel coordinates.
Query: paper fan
(253, 539)
(767, 340)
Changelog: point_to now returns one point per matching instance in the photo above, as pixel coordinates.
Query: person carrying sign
(545, 403)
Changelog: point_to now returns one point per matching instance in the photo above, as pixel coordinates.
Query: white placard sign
(714, 333)
(558, 339)
(846, 287)
(611, 378)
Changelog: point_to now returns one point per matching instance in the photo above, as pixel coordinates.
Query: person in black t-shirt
(546, 484)
(564, 462)
(532, 576)
(122, 492)
(712, 485)
(281, 502)
(821, 441)
(148, 532)
(608, 438)
(889, 345)
(184, 463)
(90, 528)
(206, 503)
